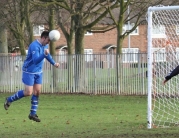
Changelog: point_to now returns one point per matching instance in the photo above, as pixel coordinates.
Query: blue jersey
(35, 58)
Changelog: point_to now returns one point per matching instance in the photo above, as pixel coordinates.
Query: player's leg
(18, 95)
(28, 80)
(35, 98)
(34, 103)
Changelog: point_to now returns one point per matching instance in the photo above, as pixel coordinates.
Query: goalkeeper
(171, 74)
(32, 74)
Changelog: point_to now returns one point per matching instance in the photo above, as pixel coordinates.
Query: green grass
(79, 116)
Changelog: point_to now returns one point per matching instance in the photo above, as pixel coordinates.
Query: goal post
(163, 57)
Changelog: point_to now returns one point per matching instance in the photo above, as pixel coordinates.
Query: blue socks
(18, 95)
(34, 104)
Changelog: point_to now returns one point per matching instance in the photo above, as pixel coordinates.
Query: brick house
(95, 43)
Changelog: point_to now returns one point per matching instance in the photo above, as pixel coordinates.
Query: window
(62, 55)
(126, 28)
(158, 31)
(38, 29)
(88, 33)
(159, 54)
(130, 55)
(88, 54)
(135, 32)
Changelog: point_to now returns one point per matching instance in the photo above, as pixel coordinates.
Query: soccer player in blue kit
(32, 74)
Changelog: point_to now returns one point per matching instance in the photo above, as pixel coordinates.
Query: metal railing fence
(89, 74)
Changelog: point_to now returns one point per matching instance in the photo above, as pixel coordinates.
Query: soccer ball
(54, 35)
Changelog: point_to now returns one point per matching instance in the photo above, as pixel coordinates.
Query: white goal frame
(150, 59)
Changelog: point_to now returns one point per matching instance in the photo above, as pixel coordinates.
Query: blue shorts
(31, 79)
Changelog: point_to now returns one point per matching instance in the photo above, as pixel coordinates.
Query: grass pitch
(80, 116)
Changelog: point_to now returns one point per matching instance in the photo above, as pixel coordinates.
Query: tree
(18, 18)
(3, 30)
(52, 23)
(3, 49)
(15, 22)
(75, 18)
(3, 39)
(84, 15)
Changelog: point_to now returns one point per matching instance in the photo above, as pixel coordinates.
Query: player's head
(45, 38)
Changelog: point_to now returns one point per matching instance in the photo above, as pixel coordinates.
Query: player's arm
(50, 59)
(171, 74)
(36, 56)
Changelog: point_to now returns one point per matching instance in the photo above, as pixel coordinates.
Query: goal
(163, 57)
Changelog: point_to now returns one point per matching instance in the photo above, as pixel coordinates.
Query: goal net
(163, 57)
